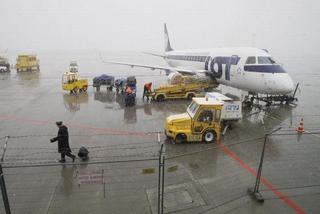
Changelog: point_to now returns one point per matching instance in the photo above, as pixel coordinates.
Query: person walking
(63, 142)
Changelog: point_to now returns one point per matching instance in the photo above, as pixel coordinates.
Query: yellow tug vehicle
(201, 122)
(73, 83)
(186, 87)
(27, 62)
(205, 118)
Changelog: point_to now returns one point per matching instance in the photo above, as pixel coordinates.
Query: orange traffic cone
(300, 128)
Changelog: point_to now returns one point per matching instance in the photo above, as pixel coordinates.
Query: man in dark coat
(63, 142)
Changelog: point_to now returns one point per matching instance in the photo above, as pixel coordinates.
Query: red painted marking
(265, 181)
(91, 128)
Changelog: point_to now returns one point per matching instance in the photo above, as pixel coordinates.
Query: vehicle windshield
(265, 60)
(64, 79)
(73, 64)
(192, 109)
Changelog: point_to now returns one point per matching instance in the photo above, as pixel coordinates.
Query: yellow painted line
(148, 171)
(172, 168)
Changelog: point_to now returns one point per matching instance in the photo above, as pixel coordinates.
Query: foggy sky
(136, 25)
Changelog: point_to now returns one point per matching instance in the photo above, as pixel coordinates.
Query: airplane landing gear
(254, 99)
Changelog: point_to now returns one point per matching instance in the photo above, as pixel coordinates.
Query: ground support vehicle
(103, 80)
(231, 110)
(186, 89)
(120, 85)
(73, 83)
(27, 63)
(202, 121)
(4, 65)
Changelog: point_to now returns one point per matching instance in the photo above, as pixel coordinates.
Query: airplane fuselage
(249, 69)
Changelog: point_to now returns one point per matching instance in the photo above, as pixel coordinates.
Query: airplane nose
(288, 85)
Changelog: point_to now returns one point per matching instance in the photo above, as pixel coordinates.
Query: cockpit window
(265, 60)
(251, 60)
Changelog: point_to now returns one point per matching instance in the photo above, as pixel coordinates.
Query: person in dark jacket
(63, 142)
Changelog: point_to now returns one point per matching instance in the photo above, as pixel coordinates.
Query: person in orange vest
(147, 90)
(128, 90)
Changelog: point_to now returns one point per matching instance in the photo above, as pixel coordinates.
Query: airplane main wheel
(76, 90)
(209, 136)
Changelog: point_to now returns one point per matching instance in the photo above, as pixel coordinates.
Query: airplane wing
(167, 69)
(154, 54)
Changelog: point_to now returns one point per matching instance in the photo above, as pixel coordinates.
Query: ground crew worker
(147, 90)
(128, 90)
(63, 142)
(129, 97)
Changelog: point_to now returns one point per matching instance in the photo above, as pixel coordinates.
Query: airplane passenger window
(265, 60)
(251, 60)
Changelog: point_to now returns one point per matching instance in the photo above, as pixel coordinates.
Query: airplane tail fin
(166, 40)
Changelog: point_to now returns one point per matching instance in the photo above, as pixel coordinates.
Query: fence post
(159, 178)
(255, 190)
(4, 192)
(162, 191)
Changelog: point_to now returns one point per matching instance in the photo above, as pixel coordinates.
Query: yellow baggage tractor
(201, 122)
(188, 88)
(73, 83)
(27, 63)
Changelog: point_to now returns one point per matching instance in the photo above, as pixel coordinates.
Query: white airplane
(245, 68)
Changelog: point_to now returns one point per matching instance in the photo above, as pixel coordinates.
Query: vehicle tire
(85, 88)
(180, 138)
(2, 70)
(76, 90)
(109, 88)
(190, 96)
(160, 98)
(209, 136)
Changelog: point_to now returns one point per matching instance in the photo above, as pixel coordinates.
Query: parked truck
(187, 88)
(27, 63)
(203, 120)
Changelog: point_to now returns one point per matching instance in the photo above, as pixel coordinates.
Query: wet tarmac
(124, 150)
